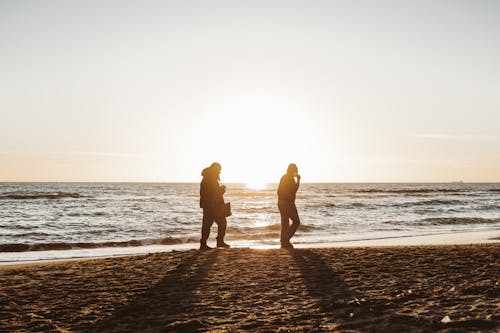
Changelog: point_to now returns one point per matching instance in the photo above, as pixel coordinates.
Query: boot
(221, 243)
(204, 246)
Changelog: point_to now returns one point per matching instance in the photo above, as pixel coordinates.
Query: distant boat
(457, 182)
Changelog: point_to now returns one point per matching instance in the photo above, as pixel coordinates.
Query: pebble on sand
(446, 320)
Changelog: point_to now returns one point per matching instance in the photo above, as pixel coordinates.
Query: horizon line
(196, 182)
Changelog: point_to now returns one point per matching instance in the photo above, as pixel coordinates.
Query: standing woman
(211, 200)
(289, 184)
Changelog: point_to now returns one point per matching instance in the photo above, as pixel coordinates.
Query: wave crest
(38, 195)
(436, 221)
(431, 203)
(92, 245)
(411, 191)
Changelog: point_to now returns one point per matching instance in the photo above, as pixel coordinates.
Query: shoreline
(457, 238)
(363, 289)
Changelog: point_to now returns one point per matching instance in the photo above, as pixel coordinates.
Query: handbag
(225, 209)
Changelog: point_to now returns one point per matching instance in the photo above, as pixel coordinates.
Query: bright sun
(255, 143)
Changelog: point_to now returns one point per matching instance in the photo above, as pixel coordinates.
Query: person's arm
(212, 191)
(297, 184)
(222, 189)
(280, 187)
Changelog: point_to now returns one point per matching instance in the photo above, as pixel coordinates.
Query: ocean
(69, 220)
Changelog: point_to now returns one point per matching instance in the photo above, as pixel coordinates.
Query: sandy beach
(371, 289)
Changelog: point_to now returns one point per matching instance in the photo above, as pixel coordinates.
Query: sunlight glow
(257, 185)
(157, 93)
(258, 143)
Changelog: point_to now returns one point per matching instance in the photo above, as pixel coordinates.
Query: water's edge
(459, 238)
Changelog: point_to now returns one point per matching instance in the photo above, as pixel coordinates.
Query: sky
(351, 91)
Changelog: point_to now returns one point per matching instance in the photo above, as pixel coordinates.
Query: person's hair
(215, 165)
(211, 169)
(292, 167)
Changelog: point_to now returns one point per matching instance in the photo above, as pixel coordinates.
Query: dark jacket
(287, 189)
(211, 192)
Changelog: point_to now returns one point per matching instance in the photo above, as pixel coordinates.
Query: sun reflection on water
(257, 186)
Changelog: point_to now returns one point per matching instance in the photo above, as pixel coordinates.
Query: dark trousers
(288, 212)
(209, 217)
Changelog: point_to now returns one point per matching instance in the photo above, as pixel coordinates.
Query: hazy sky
(157, 90)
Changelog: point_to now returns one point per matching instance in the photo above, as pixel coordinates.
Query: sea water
(65, 220)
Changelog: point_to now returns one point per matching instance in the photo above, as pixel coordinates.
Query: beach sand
(371, 289)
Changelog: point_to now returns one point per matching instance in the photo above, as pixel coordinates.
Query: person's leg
(221, 231)
(284, 222)
(294, 216)
(207, 222)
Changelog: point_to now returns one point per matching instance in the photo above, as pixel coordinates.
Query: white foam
(481, 237)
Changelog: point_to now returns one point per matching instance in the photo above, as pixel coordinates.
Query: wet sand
(371, 289)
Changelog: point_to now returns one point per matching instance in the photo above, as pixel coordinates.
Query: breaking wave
(412, 191)
(437, 221)
(430, 203)
(93, 245)
(38, 195)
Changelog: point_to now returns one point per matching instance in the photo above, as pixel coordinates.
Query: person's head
(292, 169)
(216, 168)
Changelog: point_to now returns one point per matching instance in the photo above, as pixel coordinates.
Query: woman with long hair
(289, 184)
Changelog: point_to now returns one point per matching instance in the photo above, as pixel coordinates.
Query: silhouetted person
(212, 201)
(286, 203)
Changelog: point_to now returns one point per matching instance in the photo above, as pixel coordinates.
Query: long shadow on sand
(324, 285)
(346, 308)
(167, 306)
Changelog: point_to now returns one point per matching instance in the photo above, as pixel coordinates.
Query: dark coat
(211, 191)
(287, 189)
